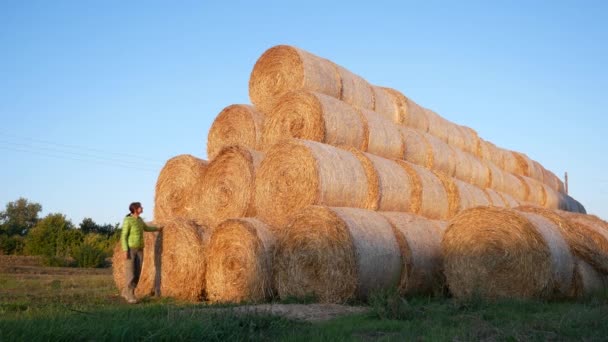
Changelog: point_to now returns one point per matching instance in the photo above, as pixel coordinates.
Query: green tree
(89, 226)
(53, 236)
(19, 217)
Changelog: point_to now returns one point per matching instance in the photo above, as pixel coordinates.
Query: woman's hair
(132, 207)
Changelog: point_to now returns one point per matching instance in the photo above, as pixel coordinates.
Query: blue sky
(96, 95)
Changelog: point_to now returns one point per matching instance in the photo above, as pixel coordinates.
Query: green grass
(84, 306)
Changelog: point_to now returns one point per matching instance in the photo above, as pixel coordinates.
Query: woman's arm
(124, 235)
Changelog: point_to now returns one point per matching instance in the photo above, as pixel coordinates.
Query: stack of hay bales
(332, 187)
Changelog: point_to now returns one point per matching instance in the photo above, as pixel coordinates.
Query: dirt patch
(12, 269)
(20, 260)
(302, 312)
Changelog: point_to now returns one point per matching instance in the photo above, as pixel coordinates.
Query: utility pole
(566, 181)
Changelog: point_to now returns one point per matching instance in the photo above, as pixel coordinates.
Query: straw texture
(495, 252)
(417, 149)
(395, 186)
(178, 188)
(420, 244)
(385, 105)
(355, 90)
(441, 157)
(410, 113)
(383, 138)
(228, 186)
(587, 280)
(239, 261)
(461, 195)
(237, 124)
(336, 254)
(283, 68)
(298, 173)
(429, 197)
(183, 262)
(314, 116)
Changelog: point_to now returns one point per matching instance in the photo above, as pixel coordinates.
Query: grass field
(38, 303)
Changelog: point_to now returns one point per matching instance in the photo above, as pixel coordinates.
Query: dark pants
(133, 267)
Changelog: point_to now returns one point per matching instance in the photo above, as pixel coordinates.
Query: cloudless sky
(96, 95)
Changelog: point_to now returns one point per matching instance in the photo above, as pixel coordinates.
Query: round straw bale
(410, 113)
(510, 201)
(461, 195)
(298, 173)
(385, 105)
(470, 169)
(456, 138)
(471, 140)
(511, 162)
(383, 138)
(237, 124)
(239, 261)
(438, 126)
(283, 68)
(429, 197)
(587, 280)
(553, 181)
(178, 188)
(495, 198)
(355, 90)
(553, 199)
(442, 156)
(118, 267)
(395, 186)
(491, 153)
(314, 116)
(228, 186)
(420, 243)
(586, 238)
(496, 252)
(417, 149)
(148, 280)
(336, 254)
(514, 185)
(182, 261)
(535, 192)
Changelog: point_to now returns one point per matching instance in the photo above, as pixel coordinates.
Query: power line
(143, 158)
(24, 150)
(80, 154)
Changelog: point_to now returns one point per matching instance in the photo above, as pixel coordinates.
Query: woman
(132, 241)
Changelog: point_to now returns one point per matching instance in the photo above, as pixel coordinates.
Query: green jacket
(132, 235)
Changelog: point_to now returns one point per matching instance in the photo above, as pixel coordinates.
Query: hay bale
(183, 259)
(587, 280)
(587, 236)
(148, 280)
(528, 167)
(495, 252)
(420, 244)
(382, 138)
(417, 149)
(512, 162)
(461, 195)
(298, 173)
(491, 153)
(441, 157)
(553, 199)
(495, 198)
(239, 261)
(510, 201)
(410, 113)
(429, 197)
(178, 188)
(314, 116)
(535, 192)
(438, 126)
(336, 254)
(395, 187)
(553, 181)
(237, 124)
(355, 90)
(118, 267)
(228, 186)
(283, 68)
(471, 140)
(385, 105)
(470, 169)
(513, 185)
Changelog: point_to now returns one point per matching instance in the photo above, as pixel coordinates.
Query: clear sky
(96, 95)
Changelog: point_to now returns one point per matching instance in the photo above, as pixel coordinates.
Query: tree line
(55, 238)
